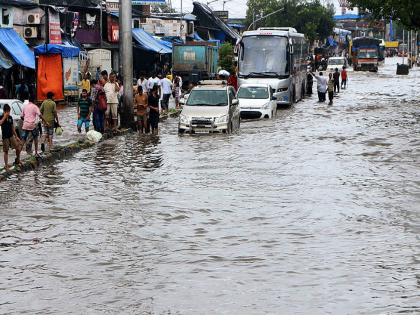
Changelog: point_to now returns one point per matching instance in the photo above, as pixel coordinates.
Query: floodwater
(315, 212)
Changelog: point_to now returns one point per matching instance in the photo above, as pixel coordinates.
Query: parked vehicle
(366, 53)
(337, 62)
(210, 107)
(275, 56)
(257, 101)
(195, 61)
(16, 112)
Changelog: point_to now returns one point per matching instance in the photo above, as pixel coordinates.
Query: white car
(16, 112)
(257, 101)
(210, 107)
(337, 62)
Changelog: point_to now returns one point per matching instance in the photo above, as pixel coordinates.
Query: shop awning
(67, 51)
(5, 61)
(149, 43)
(16, 47)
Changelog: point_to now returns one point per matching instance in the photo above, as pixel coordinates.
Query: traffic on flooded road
(315, 211)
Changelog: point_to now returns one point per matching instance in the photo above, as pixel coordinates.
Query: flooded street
(314, 212)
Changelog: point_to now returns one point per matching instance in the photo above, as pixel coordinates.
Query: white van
(337, 62)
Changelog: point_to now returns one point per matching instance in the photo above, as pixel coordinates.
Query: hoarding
(71, 73)
(54, 27)
(114, 5)
(148, 2)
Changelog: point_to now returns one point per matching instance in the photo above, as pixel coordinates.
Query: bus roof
(276, 31)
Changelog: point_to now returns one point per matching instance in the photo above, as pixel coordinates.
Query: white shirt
(166, 86)
(322, 83)
(111, 94)
(143, 84)
(152, 82)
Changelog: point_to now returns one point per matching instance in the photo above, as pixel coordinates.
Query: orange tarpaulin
(49, 76)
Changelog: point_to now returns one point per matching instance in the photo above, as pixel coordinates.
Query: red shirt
(343, 74)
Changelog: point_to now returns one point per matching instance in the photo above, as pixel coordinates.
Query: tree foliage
(226, 56)
(407, 12)
(163, 8)
(309, 17)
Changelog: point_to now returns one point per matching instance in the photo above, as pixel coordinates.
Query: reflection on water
(315, 212)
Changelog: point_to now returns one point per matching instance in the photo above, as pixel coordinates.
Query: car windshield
(200, 97)
(336, 61)
(263, 55)
(253, 93)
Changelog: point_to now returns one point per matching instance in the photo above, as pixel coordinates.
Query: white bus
(276, 56)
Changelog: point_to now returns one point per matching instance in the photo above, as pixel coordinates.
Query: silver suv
(210, 107)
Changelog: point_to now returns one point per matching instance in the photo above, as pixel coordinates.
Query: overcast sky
(236, 8)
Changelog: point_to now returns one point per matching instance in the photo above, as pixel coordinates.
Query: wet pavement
(68, 120)
(315, 212)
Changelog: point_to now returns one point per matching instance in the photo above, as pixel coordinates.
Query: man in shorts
(84, 110)
(9, 137)
(31, 114)
(49, 112)
(111, 90)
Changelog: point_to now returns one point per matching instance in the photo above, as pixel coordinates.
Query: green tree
(309, 17)
(407, 12)
(162, 8)
(226, 57)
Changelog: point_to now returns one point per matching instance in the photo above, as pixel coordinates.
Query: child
(9, 136)
(84, 109)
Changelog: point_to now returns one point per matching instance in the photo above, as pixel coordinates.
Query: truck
(366, 52)
(195, 61)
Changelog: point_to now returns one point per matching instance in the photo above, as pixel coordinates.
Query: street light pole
(262, 18)
(126, 48)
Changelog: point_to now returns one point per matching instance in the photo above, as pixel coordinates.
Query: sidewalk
(68, 120)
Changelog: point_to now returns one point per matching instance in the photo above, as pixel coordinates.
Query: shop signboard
(54, 27)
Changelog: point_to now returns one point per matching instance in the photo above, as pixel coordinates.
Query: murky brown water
(316, 212)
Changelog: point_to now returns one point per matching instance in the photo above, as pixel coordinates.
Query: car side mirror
(235, 101)
(183, 100)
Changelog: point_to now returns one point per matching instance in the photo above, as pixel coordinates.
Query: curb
(60, 152)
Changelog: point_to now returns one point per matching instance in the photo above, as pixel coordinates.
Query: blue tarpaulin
(197, 37)
(348, 17)
(67, 51)
(148, 42)
(16, 47)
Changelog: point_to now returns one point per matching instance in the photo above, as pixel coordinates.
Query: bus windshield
(263, 56)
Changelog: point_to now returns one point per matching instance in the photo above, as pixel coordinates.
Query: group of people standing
(331, 85)
(32, 129)
(151, 91)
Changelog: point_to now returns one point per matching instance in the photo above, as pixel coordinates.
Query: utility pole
(262, 18)
(126, 49)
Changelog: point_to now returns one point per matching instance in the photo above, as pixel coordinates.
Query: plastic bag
(59, 131)
(94, 136)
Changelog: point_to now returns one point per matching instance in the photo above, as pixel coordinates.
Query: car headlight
(282, 89)
(221, 119)
(184, 119)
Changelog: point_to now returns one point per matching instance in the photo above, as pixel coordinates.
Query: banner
(71, 73)
(148, 2)
(54, 27)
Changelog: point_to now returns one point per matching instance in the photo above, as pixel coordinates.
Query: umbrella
(224, 73)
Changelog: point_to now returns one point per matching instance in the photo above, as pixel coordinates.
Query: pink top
(30, 114)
